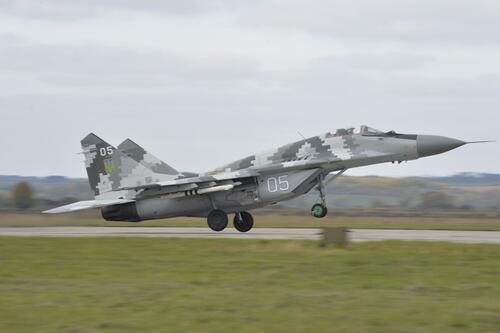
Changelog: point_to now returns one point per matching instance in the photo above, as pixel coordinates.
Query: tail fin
(108, 169)
(148, 160)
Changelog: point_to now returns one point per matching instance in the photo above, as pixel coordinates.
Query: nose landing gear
(319, 210)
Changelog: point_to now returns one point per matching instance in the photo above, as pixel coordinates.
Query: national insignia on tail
(109, 165)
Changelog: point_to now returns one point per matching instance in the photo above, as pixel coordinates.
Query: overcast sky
(201, 83)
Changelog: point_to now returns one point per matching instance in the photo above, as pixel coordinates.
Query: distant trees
(22, 196)
(379, 203)
(4, 201)
(435, 200)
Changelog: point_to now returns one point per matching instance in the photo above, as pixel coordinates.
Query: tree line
(22, 198)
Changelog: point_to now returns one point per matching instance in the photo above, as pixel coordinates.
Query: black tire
(245, 224)
(217, 220)
(319, 211)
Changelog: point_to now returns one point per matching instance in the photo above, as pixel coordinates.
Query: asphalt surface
(357, 235)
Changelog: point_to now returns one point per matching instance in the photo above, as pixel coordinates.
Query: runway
(357, 235)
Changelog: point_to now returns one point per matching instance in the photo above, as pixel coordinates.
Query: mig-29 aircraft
(132, 185)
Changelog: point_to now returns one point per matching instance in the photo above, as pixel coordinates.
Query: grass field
(444, 222)
(180, 285)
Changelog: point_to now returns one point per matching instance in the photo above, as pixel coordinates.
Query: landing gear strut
(243, 222)
(217, 220)
(319, 210)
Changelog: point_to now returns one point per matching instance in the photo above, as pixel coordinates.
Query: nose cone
(428, 145)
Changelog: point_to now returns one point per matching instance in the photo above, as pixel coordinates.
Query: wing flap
(82, 205)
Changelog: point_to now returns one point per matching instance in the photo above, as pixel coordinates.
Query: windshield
(365, 130)
(341, 132)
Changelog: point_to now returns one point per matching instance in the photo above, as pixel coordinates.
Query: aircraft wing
(196, 180)
(195, 185)
(82, 205)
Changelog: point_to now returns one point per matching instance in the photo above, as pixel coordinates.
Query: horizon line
(463, 173)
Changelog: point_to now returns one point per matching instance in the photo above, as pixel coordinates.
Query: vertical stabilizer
(148, 160)
(108, 169)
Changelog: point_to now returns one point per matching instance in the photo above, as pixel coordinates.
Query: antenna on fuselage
(303, 137)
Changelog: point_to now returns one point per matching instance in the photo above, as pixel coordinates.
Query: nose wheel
(243, 222)
(319, 211)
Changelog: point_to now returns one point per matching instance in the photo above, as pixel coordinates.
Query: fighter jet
(132, 185)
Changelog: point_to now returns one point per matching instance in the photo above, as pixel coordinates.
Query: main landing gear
(243, 222)
(218, 221)
(319, 210)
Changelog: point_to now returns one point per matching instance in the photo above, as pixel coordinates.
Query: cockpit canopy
(366, 130)
(369, 131)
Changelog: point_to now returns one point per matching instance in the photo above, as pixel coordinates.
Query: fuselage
(290, 171)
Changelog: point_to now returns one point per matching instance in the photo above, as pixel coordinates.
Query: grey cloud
(437, 21)
(331, 82)
(338, 80)
(484, 88)
(9, 39)
(94, 67)
(386, 63)
(75, 9)
(411, 21)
